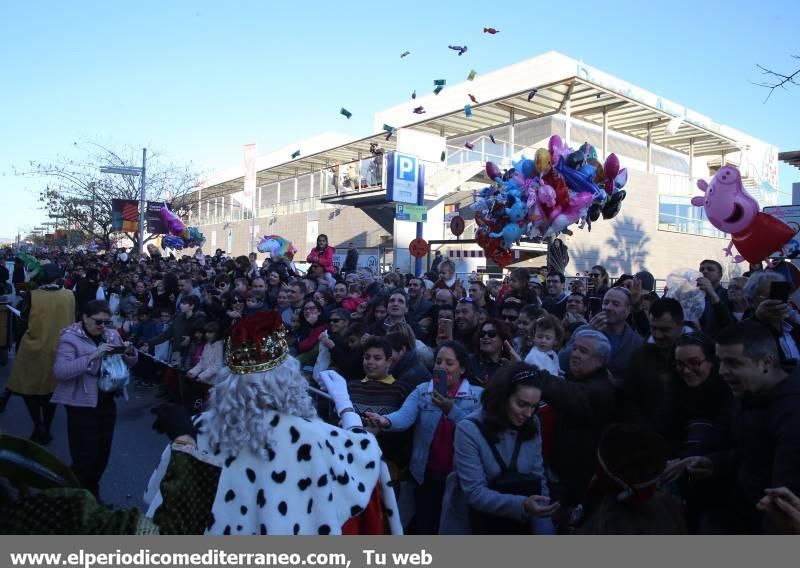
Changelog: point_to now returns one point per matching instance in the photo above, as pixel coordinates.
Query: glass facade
(677, 214)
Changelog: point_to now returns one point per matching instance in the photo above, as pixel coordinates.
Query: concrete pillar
(568, 122)
(605, 133)
(649, 147)
(691, 158)
(511, 121)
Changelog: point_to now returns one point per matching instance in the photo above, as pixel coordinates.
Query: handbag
(509, 482)
(114, 374)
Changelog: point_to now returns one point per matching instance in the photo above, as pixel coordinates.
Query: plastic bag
(114, 374)
(322, 363)
(682, 285)
(113, 302)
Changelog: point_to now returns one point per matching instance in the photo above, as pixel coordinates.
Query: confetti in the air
(491, 31)
(402, 55)
(532, 94)
(461, 49)
(419, 110)
(345, 112)
(468, 110)
(295, 154)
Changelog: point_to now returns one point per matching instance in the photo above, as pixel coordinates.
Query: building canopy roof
(588, 101)
(792, 158)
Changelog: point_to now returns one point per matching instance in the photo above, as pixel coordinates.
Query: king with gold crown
(273, 466)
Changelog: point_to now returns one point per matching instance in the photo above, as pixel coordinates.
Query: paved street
(136, 449)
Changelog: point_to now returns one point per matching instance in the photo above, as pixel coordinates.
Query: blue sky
(197, 80)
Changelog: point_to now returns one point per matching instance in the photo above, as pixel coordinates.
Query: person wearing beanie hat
(44, 313)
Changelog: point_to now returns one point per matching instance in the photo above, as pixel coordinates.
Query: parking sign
(403, 178)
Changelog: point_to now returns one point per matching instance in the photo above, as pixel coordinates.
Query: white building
(336, 186)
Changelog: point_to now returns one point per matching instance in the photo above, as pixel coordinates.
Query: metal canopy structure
(591, 103)
(792, 158)
(575, 97)
(346, 153)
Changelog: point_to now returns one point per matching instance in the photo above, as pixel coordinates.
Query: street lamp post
(134, 172)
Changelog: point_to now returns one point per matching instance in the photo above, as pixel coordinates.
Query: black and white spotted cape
(314, 478)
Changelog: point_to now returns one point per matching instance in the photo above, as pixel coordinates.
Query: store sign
(413, 213)
(367, 258)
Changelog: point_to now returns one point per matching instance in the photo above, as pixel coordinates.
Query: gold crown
(256, 344)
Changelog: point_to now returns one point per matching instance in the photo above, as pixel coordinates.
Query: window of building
(677, 214)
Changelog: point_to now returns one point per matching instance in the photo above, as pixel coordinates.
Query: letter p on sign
(406, 168)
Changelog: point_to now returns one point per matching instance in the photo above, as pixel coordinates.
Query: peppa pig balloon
(731, 209)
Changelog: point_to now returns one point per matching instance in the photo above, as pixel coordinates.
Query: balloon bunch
(189, 236)
(276, 246)
(544, 196)
(172, 242)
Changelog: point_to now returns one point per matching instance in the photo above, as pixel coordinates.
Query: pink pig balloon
(728, 205)
(731, 209)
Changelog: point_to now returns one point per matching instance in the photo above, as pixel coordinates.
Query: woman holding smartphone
(91, 413)
(433, 408)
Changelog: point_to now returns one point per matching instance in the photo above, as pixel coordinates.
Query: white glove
(336, 386)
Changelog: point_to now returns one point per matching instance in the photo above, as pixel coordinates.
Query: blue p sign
(406, 168)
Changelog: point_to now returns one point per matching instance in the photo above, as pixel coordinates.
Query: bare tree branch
(779, 80)
(79, 193)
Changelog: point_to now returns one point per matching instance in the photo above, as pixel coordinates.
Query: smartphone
(779, 291)
(595, 305)
(118, 349)
(440, 381)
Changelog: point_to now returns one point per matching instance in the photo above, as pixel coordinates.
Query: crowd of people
(516, 406)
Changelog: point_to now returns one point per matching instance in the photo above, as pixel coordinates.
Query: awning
(588, 102)
(792, 158)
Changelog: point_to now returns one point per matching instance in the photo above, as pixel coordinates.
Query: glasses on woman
(490, 333)
(102, 322)
(335, 320)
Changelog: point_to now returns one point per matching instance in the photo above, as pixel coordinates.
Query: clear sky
(197, 80)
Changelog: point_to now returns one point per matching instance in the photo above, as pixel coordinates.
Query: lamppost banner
(125, 216)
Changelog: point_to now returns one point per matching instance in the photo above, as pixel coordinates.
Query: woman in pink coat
(91, 413)
(323, 254)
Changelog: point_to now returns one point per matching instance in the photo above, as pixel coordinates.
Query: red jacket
(325, 259)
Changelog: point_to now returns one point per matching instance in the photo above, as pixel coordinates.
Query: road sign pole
(420, 201)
